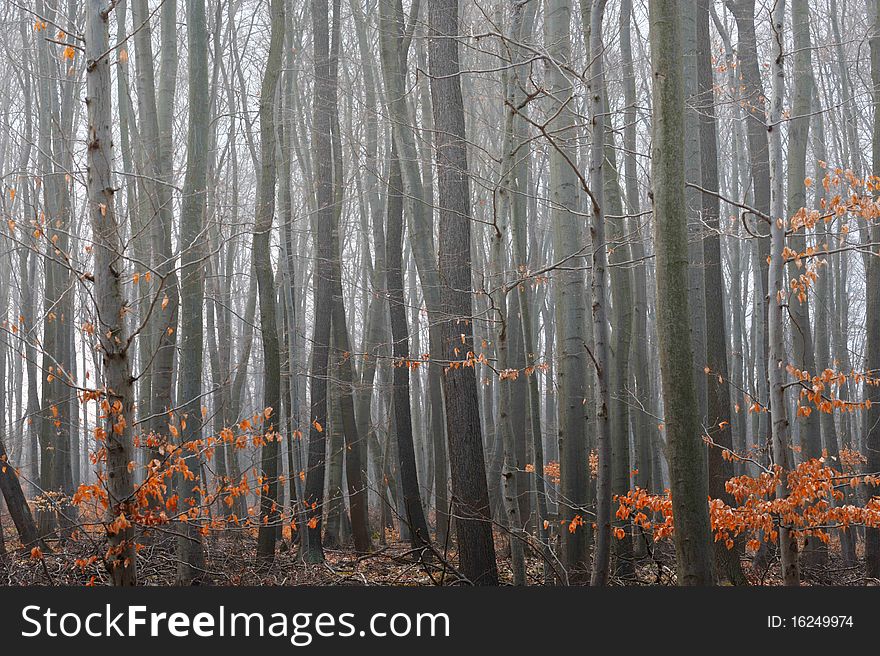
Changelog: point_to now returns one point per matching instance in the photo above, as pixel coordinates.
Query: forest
(440, 292)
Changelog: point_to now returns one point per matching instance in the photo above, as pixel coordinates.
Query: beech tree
(266, 285)
(687, 482)
(473, 530)
(115, 391)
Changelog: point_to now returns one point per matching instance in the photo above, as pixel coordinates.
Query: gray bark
(601, 329)
(570, 298)
(872, 291)
(727, 560)
(110, 329)
(778, 299)
(694, 561)
(190, 553)
(265, 214)
(473, 528)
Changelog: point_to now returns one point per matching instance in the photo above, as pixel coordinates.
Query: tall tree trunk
(517, 155)
(504, 434)
(727, 560)
(139, 242)
(165, 326)
(693, 170)
(394, 42)
(110, 305)
(872, 292)
(262, 258)
(759, 164)
(51, 411)
(640, 377)
(778, 295)
(693, 542)
(323, 282)
(572, 342)
(190, 553)
(357, 488)
(473, 524)
(803, 354)
(738, 186)
(414, 514)
(601, 345)
(156, 218)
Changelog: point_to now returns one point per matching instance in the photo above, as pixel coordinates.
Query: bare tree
(469, 489)
(265, 214)
(694, 560)
(116, 389)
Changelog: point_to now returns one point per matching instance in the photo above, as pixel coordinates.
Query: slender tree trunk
(872, 292)
(516, 162)
(737, 358)
(803, 354)
(602, 343)
(469, 489)
(572, 342)
(190, 553)
(265, 213)
(165, 326)
(778, 295)
(754, 105)
(51, 413)
(357, 488)
(727, 560)
(414, 514)
(504, 433)
(323, 154)
(640, 377)
(693, 543)
(156, 218)
(394, 42)
(109, 311)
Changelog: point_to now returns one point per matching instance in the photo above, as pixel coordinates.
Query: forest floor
(231, 561)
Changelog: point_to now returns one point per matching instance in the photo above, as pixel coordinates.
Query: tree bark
(117, 389)
(601, 336)
(323, 282)
(190, 553)
(747, 65)
(803, 355)
(778, 300)
(262, 258)
(872, 293)
(414, 514)
(694, 560)
(469, 489)
(727, 560)
(572, 342)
